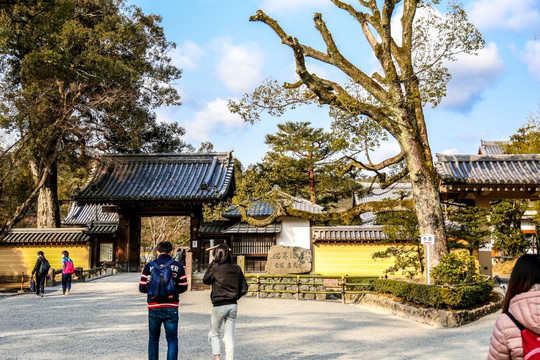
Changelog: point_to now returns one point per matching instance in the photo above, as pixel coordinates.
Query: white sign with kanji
(427, 239)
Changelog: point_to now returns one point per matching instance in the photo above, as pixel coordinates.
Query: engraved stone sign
(284, 260)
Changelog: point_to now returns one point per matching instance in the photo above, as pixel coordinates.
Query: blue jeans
(66, 282)
(224, 314)
(169, 318)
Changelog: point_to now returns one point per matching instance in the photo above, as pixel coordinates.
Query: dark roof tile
(159, 178)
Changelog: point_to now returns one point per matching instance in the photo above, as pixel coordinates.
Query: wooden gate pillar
(196, 245)
(128, 249)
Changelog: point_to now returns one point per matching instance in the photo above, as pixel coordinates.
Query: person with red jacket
(522, 301)
(163, 310)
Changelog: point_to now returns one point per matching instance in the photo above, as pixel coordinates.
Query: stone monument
(288, 260)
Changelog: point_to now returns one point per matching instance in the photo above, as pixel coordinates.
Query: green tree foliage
(527, 138)
(456, 268)
(527, 141)
(411, 75)
(301, 161)
(505, 218)
(78, 75)
(408, 257)
(470, 228)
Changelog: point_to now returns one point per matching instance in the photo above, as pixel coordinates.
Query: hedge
(457, 297)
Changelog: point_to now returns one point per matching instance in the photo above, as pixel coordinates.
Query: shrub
(457, 297)
(456, 268)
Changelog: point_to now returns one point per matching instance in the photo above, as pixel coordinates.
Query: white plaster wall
(294, 232)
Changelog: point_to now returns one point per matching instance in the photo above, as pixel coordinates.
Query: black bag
(32, 284)
(44, 267)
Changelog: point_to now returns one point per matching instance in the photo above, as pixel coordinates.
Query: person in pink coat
(522, 300)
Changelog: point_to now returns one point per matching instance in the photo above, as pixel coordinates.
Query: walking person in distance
(41, 269)
(163, 279)
(67, 272)
(228, 285)
(521, 306)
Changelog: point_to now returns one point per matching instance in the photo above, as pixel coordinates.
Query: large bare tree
(411, 54)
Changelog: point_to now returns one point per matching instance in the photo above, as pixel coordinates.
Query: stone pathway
(107, 319)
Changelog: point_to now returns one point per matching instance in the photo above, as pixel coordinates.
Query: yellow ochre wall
(351, 259)
(16, 259)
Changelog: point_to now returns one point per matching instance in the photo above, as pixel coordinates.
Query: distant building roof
(518, 169)
(45, 236)
(361, 233)
(195, 177)
(492, 147)
(214, 227)
(245, 228)
(88, 213)
(103, 228)
(261, 208)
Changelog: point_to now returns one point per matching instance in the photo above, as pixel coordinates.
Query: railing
(327, 285)
(107, 268)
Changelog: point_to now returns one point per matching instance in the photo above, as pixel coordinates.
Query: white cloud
(274, 6)
(532, 57)
(451, 152)
(214, 117)
(471, 75)
(187, 55)
(505, 14)
(387, 150)
(239, 66)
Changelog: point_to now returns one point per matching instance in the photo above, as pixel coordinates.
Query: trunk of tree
(427, 201)
(48, 209)
(313, 199)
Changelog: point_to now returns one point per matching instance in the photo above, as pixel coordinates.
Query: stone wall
(430, 316)
(288, 284)
(374, 302)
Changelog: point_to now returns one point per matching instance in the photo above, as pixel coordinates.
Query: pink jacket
(506, 338)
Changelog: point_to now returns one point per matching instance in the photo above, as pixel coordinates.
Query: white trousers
(223, 315)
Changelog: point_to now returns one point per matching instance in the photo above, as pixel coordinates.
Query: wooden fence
(300, 285)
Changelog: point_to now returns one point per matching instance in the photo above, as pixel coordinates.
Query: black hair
(65, 253)
(525, 274)
(41, 253)
(164, 247)
(222, 254)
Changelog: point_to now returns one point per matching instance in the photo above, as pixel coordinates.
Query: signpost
(427, 239)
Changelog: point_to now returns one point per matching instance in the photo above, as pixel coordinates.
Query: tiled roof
(362, 233)
(87, 213)
(109, 228)
(45, 236)
(245, 228)
(261, 208)
(492, 147)
(214, 227)
(170, 178)
(522, 169)
(396, 191)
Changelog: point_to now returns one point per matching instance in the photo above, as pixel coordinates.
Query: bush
(456, 268)
(458, 297)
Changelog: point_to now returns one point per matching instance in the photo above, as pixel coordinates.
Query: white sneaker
(67, 292)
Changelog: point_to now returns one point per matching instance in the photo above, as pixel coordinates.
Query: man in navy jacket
(164, 311)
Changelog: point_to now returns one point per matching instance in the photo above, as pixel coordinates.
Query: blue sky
(223, 56)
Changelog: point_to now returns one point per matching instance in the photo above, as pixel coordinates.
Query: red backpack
(69, 268)
(531, 341)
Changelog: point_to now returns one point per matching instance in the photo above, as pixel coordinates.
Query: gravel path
(107, 319)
